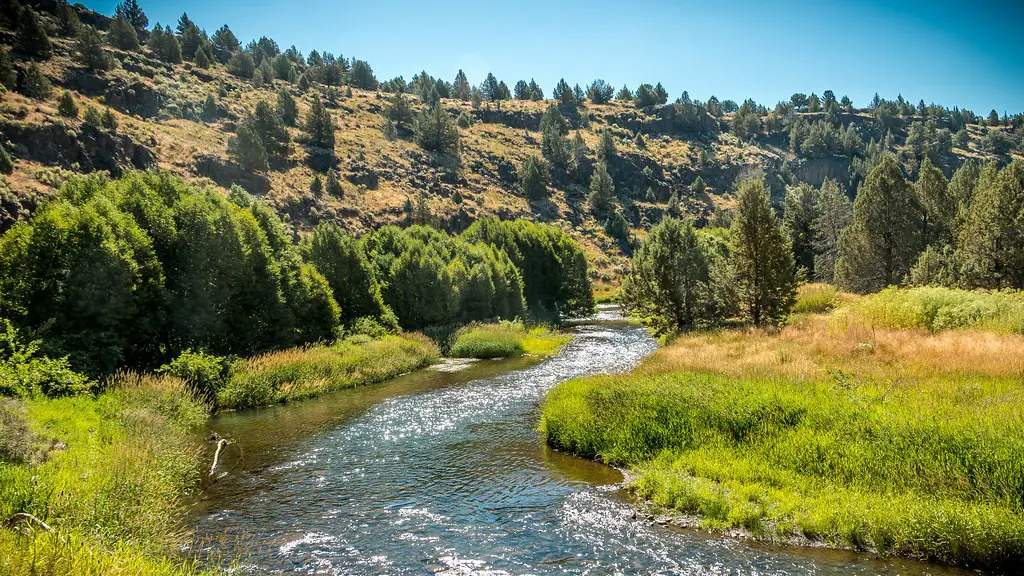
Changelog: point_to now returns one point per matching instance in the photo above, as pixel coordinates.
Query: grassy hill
(160, 124)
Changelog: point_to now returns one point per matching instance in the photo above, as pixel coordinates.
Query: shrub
(6, 164)
(16, 438)
(109, 119)
(33, 83)
(815, 299)
(436, 132)
(936, 309)
(491, 341)
(25, 373)
(204, 373)
(92, 117)
(67, 107)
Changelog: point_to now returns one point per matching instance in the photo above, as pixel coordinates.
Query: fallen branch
(26, 517)
(216, 455)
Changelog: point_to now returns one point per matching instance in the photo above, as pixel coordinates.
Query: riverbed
(443, 472)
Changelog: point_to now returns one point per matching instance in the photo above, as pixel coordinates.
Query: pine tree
(319, 127)
(435, 131)
(606, 146)
(248, 149)
(287, 109)
(267, 125)
(554, 128)
(90, 52)
(399, 111)
(109, 119)
(534, 178)
(333, 186)
(122, 35)
(489, 88)
(202, 60)
(762, 257)
(461, 85)
(938, 207)
(130, 12)
(834, 213)
(991, 243)
(800, 209)
(67, 19)
(210, 109)
(602, 191)
(33, 83)
(31, 36)
(883, 239)
(564, 94)
(66, 107)
(8, 76)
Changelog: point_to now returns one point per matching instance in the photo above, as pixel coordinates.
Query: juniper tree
(602, 191)
(600, 92)
(435, 131)
(624, 94)
(202, 60)
(883, 239)
(122, 35)
(8, 76)
(534, 177)
(89, 50)
(563, 93)
(266, 124)
(669, 284)
(242, 65)
(6, 164)
(67, 19)
(31, 36)
(554, 128)
(399, 111)
(332, 186)
(66, 107)
(938, 207)
(316, 186)
(287, 109)
(606, 146)
(762, 257)
(536, 92)
(33, 83)
(798, 214)
(248, 150)
(361, 76)
(109, 119)
(225, 39)
(319, 128)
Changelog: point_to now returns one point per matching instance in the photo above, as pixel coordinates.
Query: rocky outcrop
(678, 119)
(88, 148)
(226, 173)
(136, 97)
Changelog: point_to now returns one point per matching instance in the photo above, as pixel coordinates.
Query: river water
(443, 472)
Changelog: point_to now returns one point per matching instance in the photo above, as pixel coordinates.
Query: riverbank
(103, 479)
(507, 340)
(836, 429)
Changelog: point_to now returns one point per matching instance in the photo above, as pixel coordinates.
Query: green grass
(816, 299)
(301, 373)
(506, 339)
(109, 475)
(933, 470)
(944, 309)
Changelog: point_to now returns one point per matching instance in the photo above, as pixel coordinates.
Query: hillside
(159, 110)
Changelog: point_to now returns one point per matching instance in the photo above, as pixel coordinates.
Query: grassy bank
(306, 372)
(910, 442)
(505, 340)
(944, 309)
(108, 474)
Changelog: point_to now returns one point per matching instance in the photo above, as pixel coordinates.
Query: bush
(33, 83)
(6, 164)
(67, 107)
(92, 117)
(815, 299)
(16, 439)
(204, 373)
(436, 132)
(936, 309)
(25, 373)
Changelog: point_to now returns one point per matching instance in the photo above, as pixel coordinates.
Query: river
(443, 472)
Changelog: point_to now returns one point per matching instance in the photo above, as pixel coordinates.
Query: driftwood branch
(216, 455)
(28, 518)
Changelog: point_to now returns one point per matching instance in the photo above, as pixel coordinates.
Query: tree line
(133, 271)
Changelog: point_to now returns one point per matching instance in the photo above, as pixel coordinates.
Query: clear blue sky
(968, 54)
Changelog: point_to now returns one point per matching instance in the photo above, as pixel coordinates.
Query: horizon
(970, 63)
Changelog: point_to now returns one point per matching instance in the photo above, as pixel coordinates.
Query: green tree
(319, 127)
(602, 191)
(435, 131)
(834, 212)
(991, 243)
(122, 35)
(132, 13)
(606, 146)
(8, 76)
(31, 36)
(6, 164)
(669, 285)
(399, 111)
(242, 65)
(938, 207)
(461, 86)
(361, 76)
(33, 83)
(287, 109)
(332, 185)
(534, 177)
(66, 107)
(600, 92)
(90, 52)
(67, 19)
(554, 145)
(799, 211)
(268, 127)
(203, 61)
(210, 109)
(248, 149)
(762, 257)
(342, 261)
(883, 239)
